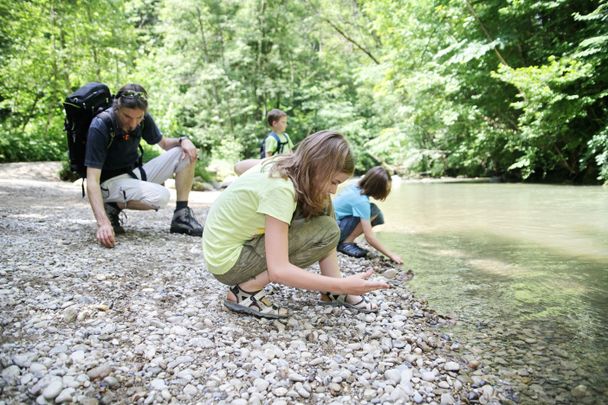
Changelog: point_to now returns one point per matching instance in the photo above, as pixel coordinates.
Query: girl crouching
(274, 220)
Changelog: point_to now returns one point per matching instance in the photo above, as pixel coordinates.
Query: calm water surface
(524, 270)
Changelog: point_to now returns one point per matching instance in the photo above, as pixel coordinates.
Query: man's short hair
(274, 115)
(131, 96)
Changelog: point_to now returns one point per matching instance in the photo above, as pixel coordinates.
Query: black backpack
(280, 145)
(80, 109)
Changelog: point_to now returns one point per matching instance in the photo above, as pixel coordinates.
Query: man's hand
(189, 150)
(105, 235)
(359, 284)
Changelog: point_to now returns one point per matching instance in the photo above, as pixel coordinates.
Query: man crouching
(116, 178)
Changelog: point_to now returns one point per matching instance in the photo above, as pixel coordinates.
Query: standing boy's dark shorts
(348, 224)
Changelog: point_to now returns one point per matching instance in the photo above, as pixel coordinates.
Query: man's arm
(105, 232)
(185, 143)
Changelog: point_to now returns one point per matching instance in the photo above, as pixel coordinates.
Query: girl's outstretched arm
(370, 237)
(280, 270)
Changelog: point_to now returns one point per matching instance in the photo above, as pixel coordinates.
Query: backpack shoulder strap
(276, 137)
(106, 117)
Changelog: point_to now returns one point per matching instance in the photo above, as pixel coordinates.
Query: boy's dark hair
(275, 115)
(376, 183)
(131, 96)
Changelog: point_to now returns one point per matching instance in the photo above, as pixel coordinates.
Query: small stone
(447, 399)
(99, 371)
(190, 390)
(110, 381)
(158, 384)
(38, 369)
(393, 375)
(301, 390)
(295, 377)
(280, 392)
(23, 360)
(166, 394)
(417, 397)
(335, 387)
(451, 366)
(443, 384)
(579, 391)
(77, 356)
(390, 274)
(474, 364)
(65, 395)
(428, 376)
(260, 385)
(53, 389)
(369, 394)
(70, 314)
(11, 373)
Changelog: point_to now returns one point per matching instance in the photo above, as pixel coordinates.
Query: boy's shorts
(348, 224)
(124, 188)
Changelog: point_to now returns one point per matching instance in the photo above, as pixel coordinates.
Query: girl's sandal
(256, 303)
(337, 300)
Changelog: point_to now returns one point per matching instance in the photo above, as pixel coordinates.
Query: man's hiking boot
(113, 215)
(352, 249)
(184, 222)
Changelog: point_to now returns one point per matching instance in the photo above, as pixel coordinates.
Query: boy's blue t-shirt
(350, 202)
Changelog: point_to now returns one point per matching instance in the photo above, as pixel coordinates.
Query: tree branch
(351, 40)
(485, 31)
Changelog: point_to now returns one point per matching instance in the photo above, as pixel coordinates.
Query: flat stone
(99, 371)
(190, 390)
(11, 373)
(53, 389)
(65, 396)
(451, 366)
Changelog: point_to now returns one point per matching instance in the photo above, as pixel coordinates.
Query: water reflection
(525, 270)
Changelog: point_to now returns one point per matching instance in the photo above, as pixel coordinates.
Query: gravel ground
(144, 322)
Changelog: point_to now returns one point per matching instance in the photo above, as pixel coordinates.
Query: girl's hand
(396, 258)
(359, 284)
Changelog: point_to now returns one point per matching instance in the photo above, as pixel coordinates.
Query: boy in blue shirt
(356, 215)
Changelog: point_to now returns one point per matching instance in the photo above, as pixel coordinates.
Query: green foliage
(47, 50)
(444, 87)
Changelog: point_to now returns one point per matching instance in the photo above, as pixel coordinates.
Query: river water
(523, 268)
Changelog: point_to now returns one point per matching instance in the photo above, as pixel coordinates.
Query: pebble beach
(145, 323)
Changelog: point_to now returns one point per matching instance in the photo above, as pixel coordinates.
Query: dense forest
(509, 88)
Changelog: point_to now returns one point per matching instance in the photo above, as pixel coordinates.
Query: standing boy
(277, 141)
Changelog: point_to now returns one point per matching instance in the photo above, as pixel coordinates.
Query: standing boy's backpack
(280, 145)
(80, 109)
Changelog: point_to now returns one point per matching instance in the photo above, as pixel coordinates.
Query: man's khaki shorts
(124, 188)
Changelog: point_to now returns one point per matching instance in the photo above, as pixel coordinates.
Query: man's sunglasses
(134, 94)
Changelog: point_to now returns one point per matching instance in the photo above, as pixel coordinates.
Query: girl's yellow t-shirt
(239, 215)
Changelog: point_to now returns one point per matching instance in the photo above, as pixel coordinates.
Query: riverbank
(144, 322)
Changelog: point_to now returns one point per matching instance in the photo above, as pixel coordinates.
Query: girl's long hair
(312, 167)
